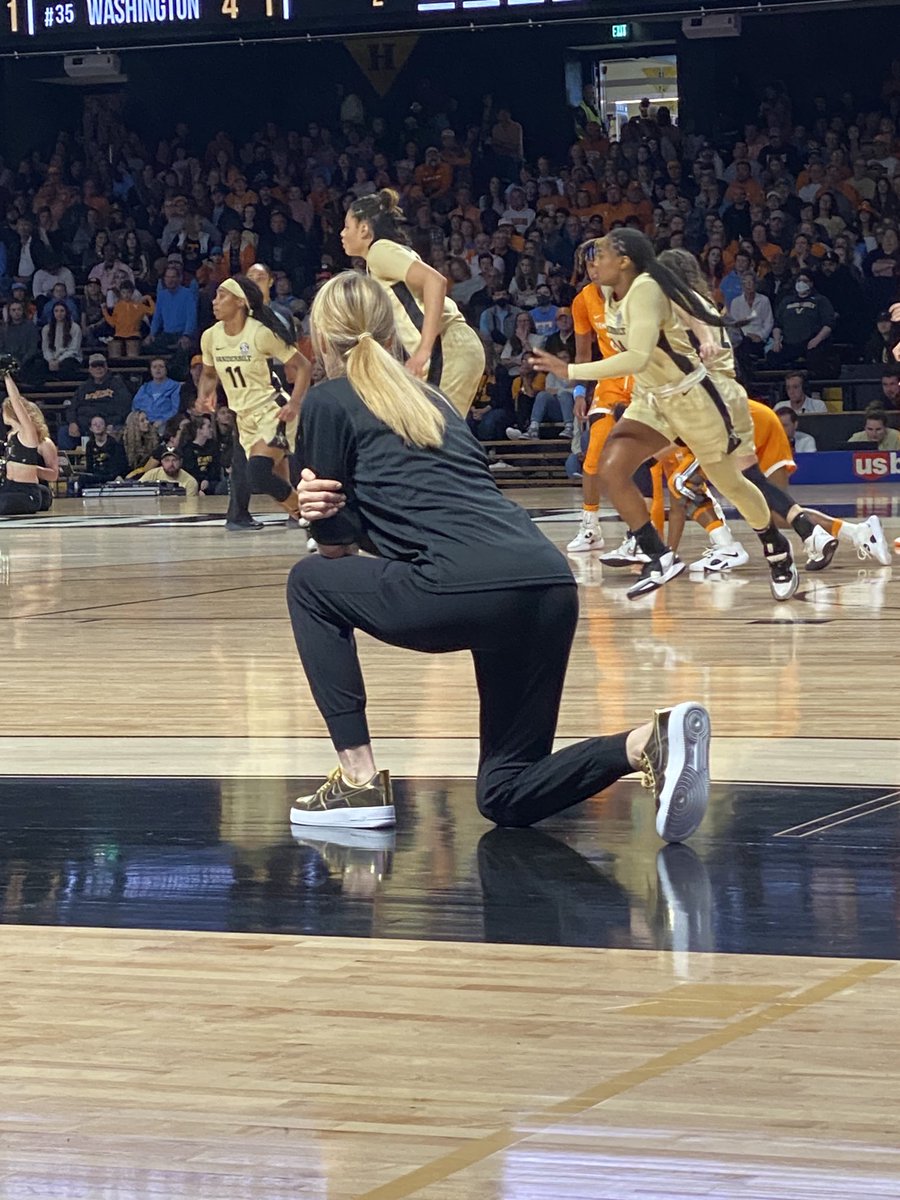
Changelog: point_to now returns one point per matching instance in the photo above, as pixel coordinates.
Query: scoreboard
(37, 26)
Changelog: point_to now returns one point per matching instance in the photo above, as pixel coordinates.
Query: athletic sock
(842, 530)
(649, 540)
(802, 525)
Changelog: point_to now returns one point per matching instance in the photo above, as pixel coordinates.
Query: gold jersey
(242, 363)
(674, 355)
(388, 262)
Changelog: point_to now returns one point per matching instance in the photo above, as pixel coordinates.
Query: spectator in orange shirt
(639, 204)
(465, 208)
(127, 318)
(453, 152)
(615, 208)
(434, 176)
(760, 238)
(744, 182)
(240, 195)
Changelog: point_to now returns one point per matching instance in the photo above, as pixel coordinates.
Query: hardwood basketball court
(200, 1005)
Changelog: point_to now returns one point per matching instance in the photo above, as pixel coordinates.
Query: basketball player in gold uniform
(236, 353)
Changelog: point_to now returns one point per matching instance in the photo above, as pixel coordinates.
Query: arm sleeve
(328, 443)
(389, 262)
(644, 323)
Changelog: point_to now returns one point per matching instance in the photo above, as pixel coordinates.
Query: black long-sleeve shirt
(439, 509)
(108, 461)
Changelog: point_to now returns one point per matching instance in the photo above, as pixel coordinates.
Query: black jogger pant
(20, 499)
(520, 640)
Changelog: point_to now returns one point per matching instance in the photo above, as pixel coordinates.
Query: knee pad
(264, 481)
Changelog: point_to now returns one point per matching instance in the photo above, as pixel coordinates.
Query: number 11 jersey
(242, 365)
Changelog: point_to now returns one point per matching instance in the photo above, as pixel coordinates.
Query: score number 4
(231, 8)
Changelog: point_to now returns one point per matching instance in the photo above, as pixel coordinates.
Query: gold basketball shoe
(340, 802)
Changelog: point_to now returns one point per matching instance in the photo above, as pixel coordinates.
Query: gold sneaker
(339, 802)
(675, 767)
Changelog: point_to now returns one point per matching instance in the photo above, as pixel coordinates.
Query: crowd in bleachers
(111, 249)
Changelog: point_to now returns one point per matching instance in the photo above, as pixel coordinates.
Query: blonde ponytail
(353, 330)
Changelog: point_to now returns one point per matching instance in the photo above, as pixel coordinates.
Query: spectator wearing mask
(102, 394)
(105, 458)
(803, 325)
(170, 470)
(801, 443)
(497, 324)
(877, 432)
(159, 397)
(545, 312)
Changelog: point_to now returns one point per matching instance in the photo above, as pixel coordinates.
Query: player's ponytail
(683, 264)
(353, 332)
(383, 214)
(630, 243)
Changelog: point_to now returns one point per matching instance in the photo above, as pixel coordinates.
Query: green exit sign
(621, 33)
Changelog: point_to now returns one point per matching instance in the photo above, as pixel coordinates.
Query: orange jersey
(589, 316)
(773, 450)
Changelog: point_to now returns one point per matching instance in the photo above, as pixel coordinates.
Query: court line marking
(860, 810)
(441, 1169)
(846, 820)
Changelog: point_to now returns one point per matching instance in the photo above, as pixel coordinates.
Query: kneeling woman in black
(391, 468)
(20, 493)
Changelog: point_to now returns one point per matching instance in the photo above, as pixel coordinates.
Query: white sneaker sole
(586, 548)
(645, 586)
(716, 563)
(784, 590)
(876, 543)
(826, 553)
(685, 793)
(380, 817)
(348, 837)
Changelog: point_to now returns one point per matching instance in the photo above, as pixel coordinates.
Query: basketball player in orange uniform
(589, 318)
(820, 532)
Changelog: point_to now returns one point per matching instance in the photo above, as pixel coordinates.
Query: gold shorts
(261, 424)
(462, 367)
(694, 419)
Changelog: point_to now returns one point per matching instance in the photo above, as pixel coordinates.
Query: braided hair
(383, 214)
(630, 243)
(261, 312)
